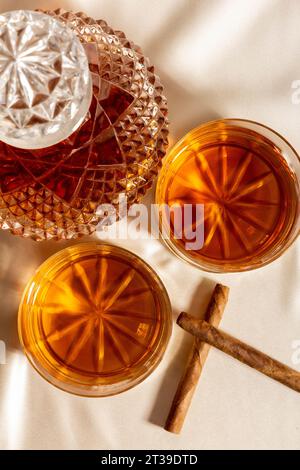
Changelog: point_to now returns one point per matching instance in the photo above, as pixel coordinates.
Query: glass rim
(124, 382)
(196, 129)
(202, 264)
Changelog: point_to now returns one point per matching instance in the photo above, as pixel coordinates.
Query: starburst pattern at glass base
(247, 190)
(45, 83)
(101, 322)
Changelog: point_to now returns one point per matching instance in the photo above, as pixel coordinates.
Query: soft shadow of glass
(174, 372)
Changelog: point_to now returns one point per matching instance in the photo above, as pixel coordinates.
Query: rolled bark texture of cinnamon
(240, 351)
(192, 373)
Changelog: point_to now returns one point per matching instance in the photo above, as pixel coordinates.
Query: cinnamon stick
(190, 378)
(240, 351)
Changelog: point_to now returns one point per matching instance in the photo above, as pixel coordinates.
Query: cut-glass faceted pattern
(55, 192)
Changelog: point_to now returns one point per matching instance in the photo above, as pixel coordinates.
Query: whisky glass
(246, 177)
(95, 320)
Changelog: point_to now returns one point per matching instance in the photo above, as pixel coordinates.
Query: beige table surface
(219, 58)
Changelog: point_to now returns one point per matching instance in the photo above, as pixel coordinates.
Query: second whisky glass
(246, 177)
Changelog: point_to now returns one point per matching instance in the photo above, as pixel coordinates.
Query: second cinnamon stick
(192, 373)
(241, 351)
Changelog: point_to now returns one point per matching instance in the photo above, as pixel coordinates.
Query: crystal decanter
(82, 121)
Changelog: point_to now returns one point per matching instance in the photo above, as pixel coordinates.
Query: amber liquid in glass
(98, 321)
(248, 192)
(94, 320)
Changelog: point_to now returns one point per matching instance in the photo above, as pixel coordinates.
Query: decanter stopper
(45, 82)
